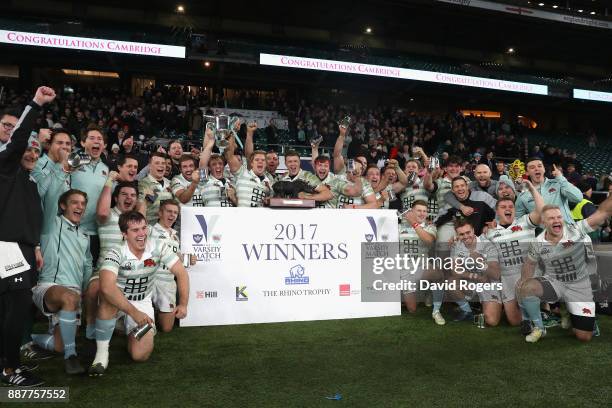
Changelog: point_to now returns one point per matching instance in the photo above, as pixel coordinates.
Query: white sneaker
(535, 335)
(437, 316)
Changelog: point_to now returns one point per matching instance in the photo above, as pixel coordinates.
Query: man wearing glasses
(7, 124)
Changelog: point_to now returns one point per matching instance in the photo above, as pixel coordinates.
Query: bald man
(479, 188)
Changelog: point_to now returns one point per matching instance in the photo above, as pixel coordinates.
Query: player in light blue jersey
(91, 178)
(66, 269)
(564, 251)
(127, 278)
(52, 175)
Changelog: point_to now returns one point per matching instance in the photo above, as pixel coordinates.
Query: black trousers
(15, 305)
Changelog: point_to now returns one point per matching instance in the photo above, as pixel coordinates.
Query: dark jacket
(20, 208)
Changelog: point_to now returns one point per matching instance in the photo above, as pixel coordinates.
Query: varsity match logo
(377, 226)
(207, 229)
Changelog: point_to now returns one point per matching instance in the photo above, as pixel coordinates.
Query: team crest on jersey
(149, 263)
(545, 251)
(126, 266)
(517, 228)
(568, 244)
(586, 311)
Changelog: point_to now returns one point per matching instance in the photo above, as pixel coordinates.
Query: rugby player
(154, 188)
(186, 186)
(125, 196)
(66, 269)
(416, 238)
(127, 278)
(511, 238)
(563, 249)
(164, 291)
(473, 262)
(91, 178)
(556, 191)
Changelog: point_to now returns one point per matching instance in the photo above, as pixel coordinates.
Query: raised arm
(402, 178)
(11, 153)
(567, 189)
(248, 143)
(103, 207)
(314, 153)
(536, 215)
(338, 159)
(602, 214)
(208, 145)
(230, 157)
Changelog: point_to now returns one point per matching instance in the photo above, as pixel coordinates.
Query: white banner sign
(592, 95)
(90, 44)
(531, 12)
(400, 73)
(257, 265)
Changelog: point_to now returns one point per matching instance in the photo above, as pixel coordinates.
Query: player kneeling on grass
(127, 278)
(564, 251)
(164, 288)
(477, 271)
(67, 266)
(416, 238)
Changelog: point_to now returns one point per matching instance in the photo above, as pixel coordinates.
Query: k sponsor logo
(241, 294)
(296, 276)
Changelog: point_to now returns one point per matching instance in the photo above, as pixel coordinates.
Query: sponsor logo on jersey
(568, 244)
(517, 228)
(149, 263)
(296, 276)
(241, 294)
(552, 190)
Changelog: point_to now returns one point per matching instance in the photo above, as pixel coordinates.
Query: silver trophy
(78, 159)
(434, 163)
(345, 122)
(392, 195)
(139, 332)
(203, 175)
(412, 177)
(223, 127)
(316, 140)
(350, 167)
